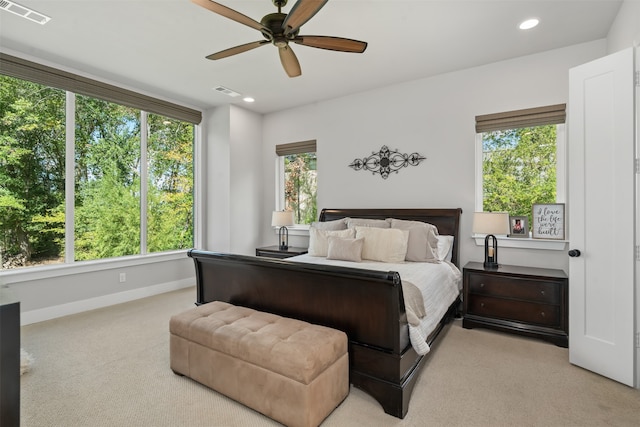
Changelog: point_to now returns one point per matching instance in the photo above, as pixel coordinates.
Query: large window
(170, 189)
(126, 187)
(298, 180)
(32, 173)
(520, 160)
(107, 180)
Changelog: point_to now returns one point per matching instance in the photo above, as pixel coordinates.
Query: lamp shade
(282, 218)
(491, 223)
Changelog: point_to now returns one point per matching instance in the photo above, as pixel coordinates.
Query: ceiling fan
(280, 28)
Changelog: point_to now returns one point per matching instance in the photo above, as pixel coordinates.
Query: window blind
(49, 76)
(296, 148)
(539, 116)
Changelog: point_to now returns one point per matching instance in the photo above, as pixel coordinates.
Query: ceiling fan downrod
(279, 4)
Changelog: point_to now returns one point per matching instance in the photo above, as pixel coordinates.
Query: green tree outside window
(519, 169)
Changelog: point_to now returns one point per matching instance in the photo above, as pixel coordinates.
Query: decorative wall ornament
(386, 161)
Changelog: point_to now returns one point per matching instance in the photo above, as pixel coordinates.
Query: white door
(601, 216)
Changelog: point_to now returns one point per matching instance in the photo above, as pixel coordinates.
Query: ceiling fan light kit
(279, 29)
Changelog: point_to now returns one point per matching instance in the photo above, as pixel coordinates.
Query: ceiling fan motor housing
(273, 22)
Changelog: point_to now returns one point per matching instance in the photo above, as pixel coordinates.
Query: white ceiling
(159, 46)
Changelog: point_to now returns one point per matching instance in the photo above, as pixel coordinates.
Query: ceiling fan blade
(235, 50)
(289, 61)
(300, 13)
(231, 14)
(332, 43)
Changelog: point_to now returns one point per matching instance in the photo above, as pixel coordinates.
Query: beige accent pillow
(318, 243)
(345, 249)
(386, 245)
(423, 240)
(338, 224)
(365, 222)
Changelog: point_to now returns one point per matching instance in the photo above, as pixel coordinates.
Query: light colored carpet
(110, 367)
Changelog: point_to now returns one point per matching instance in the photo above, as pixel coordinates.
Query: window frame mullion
(69, 170)
(144, 182)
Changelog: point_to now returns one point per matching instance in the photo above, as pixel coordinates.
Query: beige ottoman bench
(289, 370)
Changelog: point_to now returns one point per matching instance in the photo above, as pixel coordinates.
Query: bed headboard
(447, 220)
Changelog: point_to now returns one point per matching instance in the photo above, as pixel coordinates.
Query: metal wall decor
(386, 161)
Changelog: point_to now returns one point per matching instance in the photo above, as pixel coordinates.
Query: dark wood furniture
(10, 364)
(367, 305)
(275, 252)
(522, 300)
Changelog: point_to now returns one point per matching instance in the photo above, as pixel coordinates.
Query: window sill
(79, 267)
(525, 243)
(296, 230)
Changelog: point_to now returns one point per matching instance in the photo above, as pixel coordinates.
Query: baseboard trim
(75, 307)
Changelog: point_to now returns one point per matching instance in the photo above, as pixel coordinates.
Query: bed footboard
(367, 305)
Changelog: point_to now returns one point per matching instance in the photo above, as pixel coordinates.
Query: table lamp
(282, 219)
(491, 223)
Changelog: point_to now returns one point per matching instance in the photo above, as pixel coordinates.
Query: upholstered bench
(292, 371)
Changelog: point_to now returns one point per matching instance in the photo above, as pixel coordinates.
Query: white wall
(625, 31)
(62, 290)
(434, 117)
(246, 181)
(216, 177)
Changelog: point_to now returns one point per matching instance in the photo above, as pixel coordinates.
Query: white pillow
(386, 245)
(445, 248)
(345, 249)
(318, 243)
(423, 241)
(338, 224)
(366, 222)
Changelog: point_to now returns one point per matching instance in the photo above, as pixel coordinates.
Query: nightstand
(276, 252)
(522, 300)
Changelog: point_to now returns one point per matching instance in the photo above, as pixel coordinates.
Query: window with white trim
(520, 160)
(89, 171)
(297, 180)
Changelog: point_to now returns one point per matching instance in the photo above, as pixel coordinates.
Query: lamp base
(283, 237)
(489, 265)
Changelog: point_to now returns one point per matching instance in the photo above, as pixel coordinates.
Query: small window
(298, 180)
(520, 160)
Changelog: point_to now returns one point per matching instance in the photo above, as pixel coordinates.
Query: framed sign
(518, 226)
(548, 221)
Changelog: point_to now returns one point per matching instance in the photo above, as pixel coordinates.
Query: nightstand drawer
(515, 288)
(522, 311)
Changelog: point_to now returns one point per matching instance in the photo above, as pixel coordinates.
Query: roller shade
(49, 76)
(540, 116)
(296, 148)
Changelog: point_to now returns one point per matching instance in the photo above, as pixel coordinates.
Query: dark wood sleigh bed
(367, 305)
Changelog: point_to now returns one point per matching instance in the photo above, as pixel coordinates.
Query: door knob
(574, 253)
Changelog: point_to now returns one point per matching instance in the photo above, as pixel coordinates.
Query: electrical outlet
(123, 277)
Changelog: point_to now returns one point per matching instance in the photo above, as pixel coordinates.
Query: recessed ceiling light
(23, 11)
(529, 24)
(248, 99)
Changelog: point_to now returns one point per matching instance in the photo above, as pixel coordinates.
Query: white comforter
(440, 284)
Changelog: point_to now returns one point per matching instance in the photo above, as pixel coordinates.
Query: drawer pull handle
(482, 304)
(482, 285)
(542, 313)
(542, 292)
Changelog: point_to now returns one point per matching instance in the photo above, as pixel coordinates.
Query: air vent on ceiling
(25, 12)
(226, 91)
